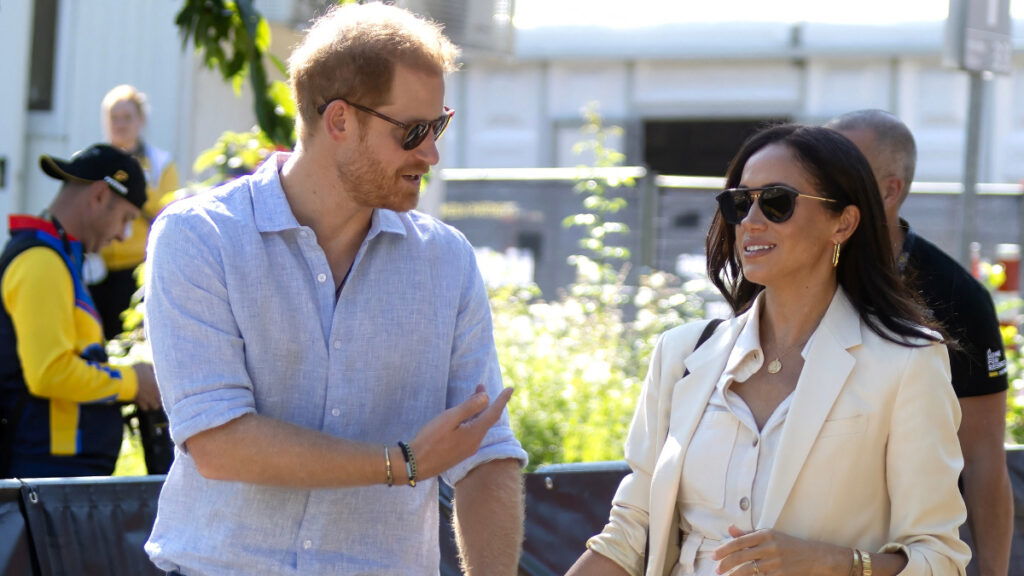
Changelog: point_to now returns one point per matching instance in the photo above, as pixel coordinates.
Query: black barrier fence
(97, 526)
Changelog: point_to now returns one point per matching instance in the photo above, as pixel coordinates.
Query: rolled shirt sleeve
(199, 355)
(474, 361)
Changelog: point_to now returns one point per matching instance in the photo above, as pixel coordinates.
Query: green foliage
(233, 39)
(234, 154)
(577, 362)
(1014, 344)
(992, 277)
(600, 206)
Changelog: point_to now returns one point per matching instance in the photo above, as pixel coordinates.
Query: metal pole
(971, 153)
(648, 214)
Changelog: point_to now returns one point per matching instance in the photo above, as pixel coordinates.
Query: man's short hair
(892, 137)
(351, 52)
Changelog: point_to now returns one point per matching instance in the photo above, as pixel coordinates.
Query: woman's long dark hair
(867, 269)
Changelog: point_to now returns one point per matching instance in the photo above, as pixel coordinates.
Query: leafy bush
(577, 361)
(1014, 343)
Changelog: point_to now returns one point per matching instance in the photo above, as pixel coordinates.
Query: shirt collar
(270, 206)
(386, 221)
(273, 213)
(746, 357)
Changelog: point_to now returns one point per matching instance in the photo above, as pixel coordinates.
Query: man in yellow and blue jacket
(59, 413)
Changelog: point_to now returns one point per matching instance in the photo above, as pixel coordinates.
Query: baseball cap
(103, 162)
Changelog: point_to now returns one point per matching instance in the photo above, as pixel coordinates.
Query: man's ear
(847, 224)
(335, 119)
(98, 194)
(893, 192)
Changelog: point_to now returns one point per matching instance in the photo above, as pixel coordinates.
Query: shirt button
(335, 412)
(306, 545)
(744, 503)
(321, 277)
(337, 344)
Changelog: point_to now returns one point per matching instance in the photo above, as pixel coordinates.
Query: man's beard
(368, 183)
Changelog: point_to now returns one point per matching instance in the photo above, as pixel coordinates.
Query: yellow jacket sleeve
(157, 196)
(52, 330)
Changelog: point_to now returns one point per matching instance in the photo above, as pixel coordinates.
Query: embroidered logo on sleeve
(996, 363)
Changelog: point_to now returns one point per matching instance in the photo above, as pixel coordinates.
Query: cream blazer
(869, 456)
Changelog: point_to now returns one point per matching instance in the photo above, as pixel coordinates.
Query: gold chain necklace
(775, 366)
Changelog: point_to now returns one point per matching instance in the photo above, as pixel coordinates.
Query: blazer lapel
(826, 369)
(689, 399)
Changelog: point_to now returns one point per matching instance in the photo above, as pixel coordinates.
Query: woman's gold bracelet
(866, 560)
(857, 568)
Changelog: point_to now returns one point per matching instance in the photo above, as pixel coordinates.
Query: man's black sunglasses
(415, 133)
(776, 202)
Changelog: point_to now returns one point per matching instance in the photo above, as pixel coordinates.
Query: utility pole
(978, 41)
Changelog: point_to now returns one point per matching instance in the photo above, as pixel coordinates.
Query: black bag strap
(709, 329)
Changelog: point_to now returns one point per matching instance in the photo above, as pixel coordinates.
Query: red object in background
(976, 260)
(1009, 256)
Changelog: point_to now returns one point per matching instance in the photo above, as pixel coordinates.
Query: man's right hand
(455, 434)
(148, 396)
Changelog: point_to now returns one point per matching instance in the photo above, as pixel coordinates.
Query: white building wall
(837, 86)
(100, 44)
(506, 116)
(15, 39)
(571, 88)
(706, 89)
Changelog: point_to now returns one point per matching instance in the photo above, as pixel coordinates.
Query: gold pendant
(774, 366)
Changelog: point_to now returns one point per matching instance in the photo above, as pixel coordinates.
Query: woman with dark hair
(815, 431)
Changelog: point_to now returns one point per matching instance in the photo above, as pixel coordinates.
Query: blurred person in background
(964, 308)
(59, 411)
(814, 432)
(124, 112)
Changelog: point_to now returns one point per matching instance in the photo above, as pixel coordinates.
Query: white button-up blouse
(729, 461)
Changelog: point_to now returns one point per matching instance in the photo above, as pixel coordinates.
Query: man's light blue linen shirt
(242, 318)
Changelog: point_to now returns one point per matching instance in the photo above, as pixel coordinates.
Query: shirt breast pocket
(706, 464)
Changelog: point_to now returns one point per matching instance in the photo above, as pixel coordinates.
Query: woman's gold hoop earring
(835, 255)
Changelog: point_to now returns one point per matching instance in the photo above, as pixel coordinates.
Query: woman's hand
(772, 553)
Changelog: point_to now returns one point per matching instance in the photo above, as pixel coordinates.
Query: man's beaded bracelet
(410, 462)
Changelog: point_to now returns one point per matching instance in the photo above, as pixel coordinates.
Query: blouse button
(744, 503)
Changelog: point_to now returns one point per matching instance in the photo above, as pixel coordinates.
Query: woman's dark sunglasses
(776, 202)
(415, 133)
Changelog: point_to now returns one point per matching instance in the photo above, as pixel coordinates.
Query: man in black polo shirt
(964, 307)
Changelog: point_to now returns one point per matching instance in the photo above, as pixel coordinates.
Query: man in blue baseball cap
(58, 394)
